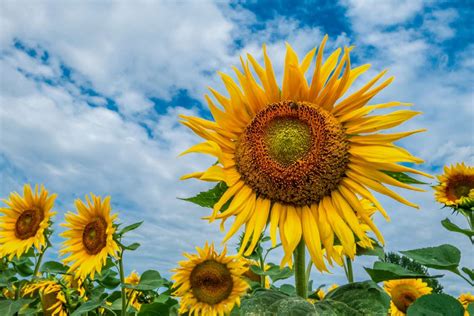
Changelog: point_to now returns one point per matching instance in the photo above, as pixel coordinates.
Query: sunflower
(75, 283)
(209, 283)
(299, 157)
(252, 276)
(133, 296)
(321, 294)
(456, 186)
(403, 293)
(52, 296)
(465, 299)
(25, 221)
(89, 236)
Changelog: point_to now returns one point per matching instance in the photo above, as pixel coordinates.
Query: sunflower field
(297, 168)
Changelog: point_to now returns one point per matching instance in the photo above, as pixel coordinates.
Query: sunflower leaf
(130, 228)
(444, 257)
(9, 307)
(455, 228)
(210, 197)
(403, 177)
(435, 305)
(89, 306)
(149, 280)
(469, 272)
(53, 267)
(132, 247)
(383, 271)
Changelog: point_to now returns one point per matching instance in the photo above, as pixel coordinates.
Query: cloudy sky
(90, 92)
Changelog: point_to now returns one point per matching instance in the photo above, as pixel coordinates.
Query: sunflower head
(89, 236)
(209, 283)
(76, 283)
(52, 296)
(133, 296)
(301, 157)
(456, 186)
(403, 293)
(465, 299)
(24, 221)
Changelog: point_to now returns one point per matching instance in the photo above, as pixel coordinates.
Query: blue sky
(90, 93)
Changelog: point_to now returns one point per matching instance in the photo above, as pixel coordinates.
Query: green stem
(122, 283)
(350, 273)
(38, 263)
(308, 270)
(300, 270)
(262, 266)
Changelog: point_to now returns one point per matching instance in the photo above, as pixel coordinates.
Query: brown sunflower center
(293, 153)
(459, 186)
(48, 300)
(28, 223)
(94, 236)
(403, 297)
(211, 282)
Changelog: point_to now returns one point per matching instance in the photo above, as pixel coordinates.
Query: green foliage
(53, 267)
(377, 251)
(129, 228)
(455, 228)
(415, 267)
(210, 197)
(403, 177)
(292, 306)
(149, 280)
(436, 305)
(444, 257)
(470, 308)
(384, 271)
(10, 307)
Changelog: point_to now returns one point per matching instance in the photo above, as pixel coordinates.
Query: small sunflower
(249, 274)
(465, 299)
(75, 283)
(89, 236)
(52, 296)
(209, 283)
(403, 293)
(25, 221)
(321, 294)
(456, 186)
(299, 157)
(133, 296)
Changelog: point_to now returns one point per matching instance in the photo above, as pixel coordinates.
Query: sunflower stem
(350, 272)
(262, 266)
(38, 262)
(122, 284)
(300, 270)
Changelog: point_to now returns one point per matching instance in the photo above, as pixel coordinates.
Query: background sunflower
(403, 293)
(456, 186)
(25, 220)
(89, 236)
(209, 283)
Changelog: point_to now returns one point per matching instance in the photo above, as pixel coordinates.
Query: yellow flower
(249, 274)
(76, 283)
(209, 283)
(403, 293)
(298, 158)
(133, 296)
(89, 236)
(321, 294)
(24, 221)
(456, 185)
(52, 296)
(466, 299)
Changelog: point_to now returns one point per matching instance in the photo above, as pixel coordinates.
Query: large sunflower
(52, 296)
(24, 221)
(299, 157)
(89, 236)
(209, 283)
(456, 185)
(403, 293)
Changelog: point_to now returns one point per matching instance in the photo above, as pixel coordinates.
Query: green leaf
(88, 306)
(9, 307)
(109, 282)
(288, 289)
(210, 197)
(378, 251)
(365, 297)
(470, 308)
(130, 227)
(334, 308)
(402, 177)
(149, 280)
(24, 268)
(444, 257)
(469, 272)
(292, 306)
(260, 301)
(383, 271)
(132, 247)
(275, 273)
(455, 228)
(154, 309)
(436, 305)
(53, 267)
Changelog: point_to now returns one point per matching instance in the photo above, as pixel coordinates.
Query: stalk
(38, 262)
(350, 273)
(300, 270)
(122, 283)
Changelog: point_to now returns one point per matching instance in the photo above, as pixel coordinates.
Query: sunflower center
(48, 301)
(28, 223)
(211, 282)
(403, 297)
(293, 153)
(460, 186)
(94, 236)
